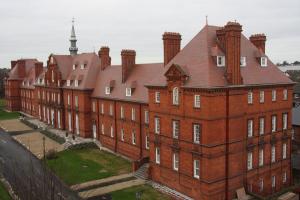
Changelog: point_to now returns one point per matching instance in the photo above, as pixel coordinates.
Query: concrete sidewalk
(13, 125)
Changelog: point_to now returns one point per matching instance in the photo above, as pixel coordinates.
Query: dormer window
(175, 96)
(243, 61)
(128, 92)
(83, 66)
(220, 61)
(107, 90)
(74, 66)
(68, 82)
(76, 83)
(263, 62)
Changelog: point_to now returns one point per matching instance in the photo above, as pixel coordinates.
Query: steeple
(73, 48)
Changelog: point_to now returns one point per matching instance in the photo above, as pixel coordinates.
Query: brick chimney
(259, 40)
(233, 53)
(128, 61)
(221, 38)
(171, 46)
(13, 64)
(38, 68)
(21, 68)
(104, 56)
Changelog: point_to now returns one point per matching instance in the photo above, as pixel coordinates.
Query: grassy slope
(78, 166)
(3, 193)
(148, 193)
(6, 115)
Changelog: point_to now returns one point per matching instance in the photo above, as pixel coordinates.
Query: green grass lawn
(148, 193)
(82, 165)
(6, 115)
(3, 193)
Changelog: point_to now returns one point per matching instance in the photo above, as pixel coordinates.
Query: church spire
(73, 48)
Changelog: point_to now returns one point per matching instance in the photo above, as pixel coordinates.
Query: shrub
(51, 154)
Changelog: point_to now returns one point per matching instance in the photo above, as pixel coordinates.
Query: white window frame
(102, 108)
(284, 121)
(68, 99)
(273, 154)
(196, 133)
(250, 161)
(285, 94)
(133, 137)
(146, 117)
(157, 155)
(110, 109)
(250, 97)
(111, 131)
(157, 97)
(261, 125)
(261, 96)
(261, 157)
(102, 129)
(68, 82)
(122, 112)
(122, 134)
(107, 90)
(197, 101)
(128, 92)
(76, 100)
(147, 142)
(243, 61)
(274, 123)
(133, 114)
(175, 96)
(220, 61)
(94, 106)
(76, 83)
(263, 61)
(175, 161)
(250, 127)
(175, 128)
(157, 125)
(273, 95)
(196, 169)
(284, 150)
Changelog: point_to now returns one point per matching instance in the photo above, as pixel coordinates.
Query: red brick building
(215, 116)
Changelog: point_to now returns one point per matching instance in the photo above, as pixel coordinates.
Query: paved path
(13, 125)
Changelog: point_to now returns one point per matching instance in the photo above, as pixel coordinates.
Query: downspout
(141, 139)
(115, 128)
(227, 145)
(98, 120)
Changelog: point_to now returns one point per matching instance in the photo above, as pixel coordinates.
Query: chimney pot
(104, 57)
(128, 61)
(259, 40)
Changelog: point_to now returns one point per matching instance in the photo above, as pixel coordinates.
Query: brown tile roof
(87, 76)
(14, 73)
(140, 75)
(197, 57)
(64, 63)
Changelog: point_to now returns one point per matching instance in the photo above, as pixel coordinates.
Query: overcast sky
(36, 28)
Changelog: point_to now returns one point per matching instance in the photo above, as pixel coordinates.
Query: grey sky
(36, 28)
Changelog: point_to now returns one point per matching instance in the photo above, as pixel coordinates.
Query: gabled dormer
(177, 73)
(52, 75)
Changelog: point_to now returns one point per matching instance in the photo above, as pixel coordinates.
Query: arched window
(175, 96)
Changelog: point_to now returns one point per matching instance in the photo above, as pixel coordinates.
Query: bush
(51, 154)
(84, 145)
(53, 136)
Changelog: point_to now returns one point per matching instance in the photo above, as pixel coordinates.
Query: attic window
(128, 92)
(243, 61)
(76, 83)
(83, 66)
(74, 66)
(263, 62)
(220, 61)
(68, 82)
(107, 90)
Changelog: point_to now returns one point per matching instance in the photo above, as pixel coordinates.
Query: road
(27, 175)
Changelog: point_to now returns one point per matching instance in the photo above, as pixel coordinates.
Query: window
(197, 102)
(261, 96)
(122, 112)
(52, 76)
(261, 157)
(133, 137)
(146, 117)
(68, 99)
(147, 142)
(76, 101)
(175, 128)
(107, 90)
(243, 61)
(196, 130)
(220, 61)
(284, 121)
(122, 134)
(157, 125)
(111, 131)
(175, 161)
(94, 106)
(128, 92)
(261, 126)
(284, 151)
(102, 108)
(249, 163)
(273, 181)
(273, 154)
(261, 184)
(250, 128)
(102, 129)
(273, 95)
(284, 177)
(250, 97)
(133, 114)
(263, 62)
(274, 123)
(285, 94)
(196, 169)
(175, 96)
(157, 155)
(82, 66)
(76, 83)
(110, 110)
(157, 97)
(74, 66)
(68, 82)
